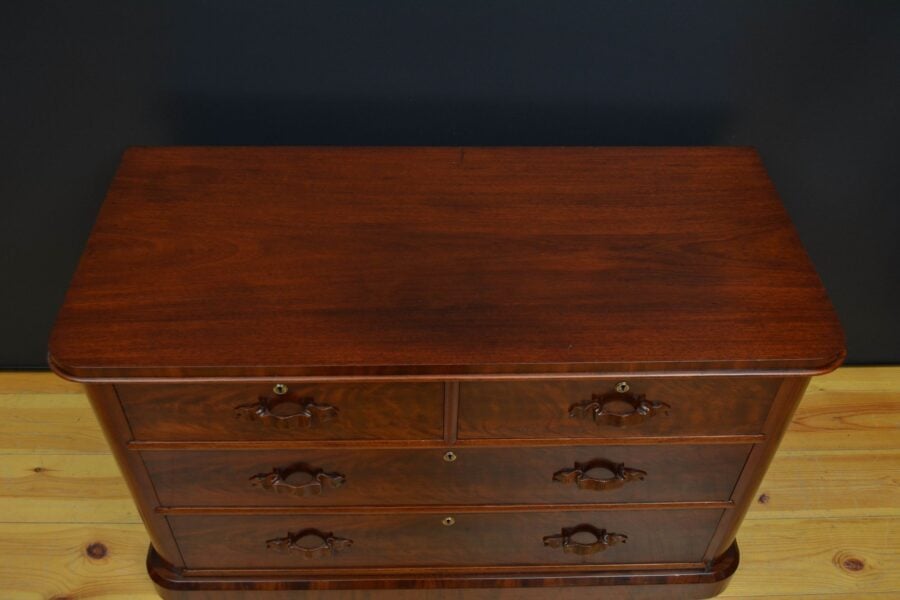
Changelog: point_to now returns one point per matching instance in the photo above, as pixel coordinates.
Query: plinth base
(474, 584)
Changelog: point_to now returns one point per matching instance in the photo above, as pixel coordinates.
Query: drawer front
(544, 475)
(227, 412)
(514, 538)
(555, 409)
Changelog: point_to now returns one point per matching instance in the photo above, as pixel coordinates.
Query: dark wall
(813, 85)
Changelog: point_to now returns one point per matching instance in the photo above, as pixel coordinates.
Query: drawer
(546, 475)
(408, 540)
(584, 408)
(226, 412)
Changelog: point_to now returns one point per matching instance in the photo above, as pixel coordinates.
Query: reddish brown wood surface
(422, 477)
(651, 582)
(371, 411)
(543, 409)
(270, 262)
(239, 542)
(570, 313)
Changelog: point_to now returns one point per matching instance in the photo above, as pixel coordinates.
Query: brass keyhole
(280, 389)
(448, 521)
(622, 387)
(449, 456)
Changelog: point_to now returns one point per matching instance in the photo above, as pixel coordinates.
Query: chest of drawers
(457, 373)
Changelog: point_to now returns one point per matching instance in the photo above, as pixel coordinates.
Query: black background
(813, 85)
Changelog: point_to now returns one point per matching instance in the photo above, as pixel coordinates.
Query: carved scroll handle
(327, 545)
(598, 409)
(602, 540)
(282, 413)
(620, 475)
(278, 480)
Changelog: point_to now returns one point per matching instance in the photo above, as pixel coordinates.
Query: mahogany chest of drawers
(461, 373)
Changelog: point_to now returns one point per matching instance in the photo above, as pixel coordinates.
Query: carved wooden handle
(596, 408)
(285, 413)
(278, 481)
(620, 475)
(602, 540)
(328, 545)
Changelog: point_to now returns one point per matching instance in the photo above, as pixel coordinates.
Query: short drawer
(434, 540)
(225, 412)
(546, 475)
(614, 409)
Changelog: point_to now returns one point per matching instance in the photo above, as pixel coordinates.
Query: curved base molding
(474, 584)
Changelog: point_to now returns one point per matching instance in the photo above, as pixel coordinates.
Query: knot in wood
(853, 564)
(96, 550)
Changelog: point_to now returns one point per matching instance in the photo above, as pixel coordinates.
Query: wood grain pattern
(51, 561)
(632, 584)
(48, 423)
(207, 412)
(830, 484)
(41, 488)
(541, 408)
(432, 444)
(852, 409)
(661, 536)
(48, 560)
(477, 476)
(821, 556)
(210, 272)
(401, 261)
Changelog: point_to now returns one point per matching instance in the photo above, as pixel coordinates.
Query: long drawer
(543, 475)
(555, 409)
(259, 412)
(464, 539)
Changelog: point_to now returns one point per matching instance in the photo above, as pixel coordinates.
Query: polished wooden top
(318, 262)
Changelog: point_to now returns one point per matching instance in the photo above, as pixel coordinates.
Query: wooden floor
(825, 524)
